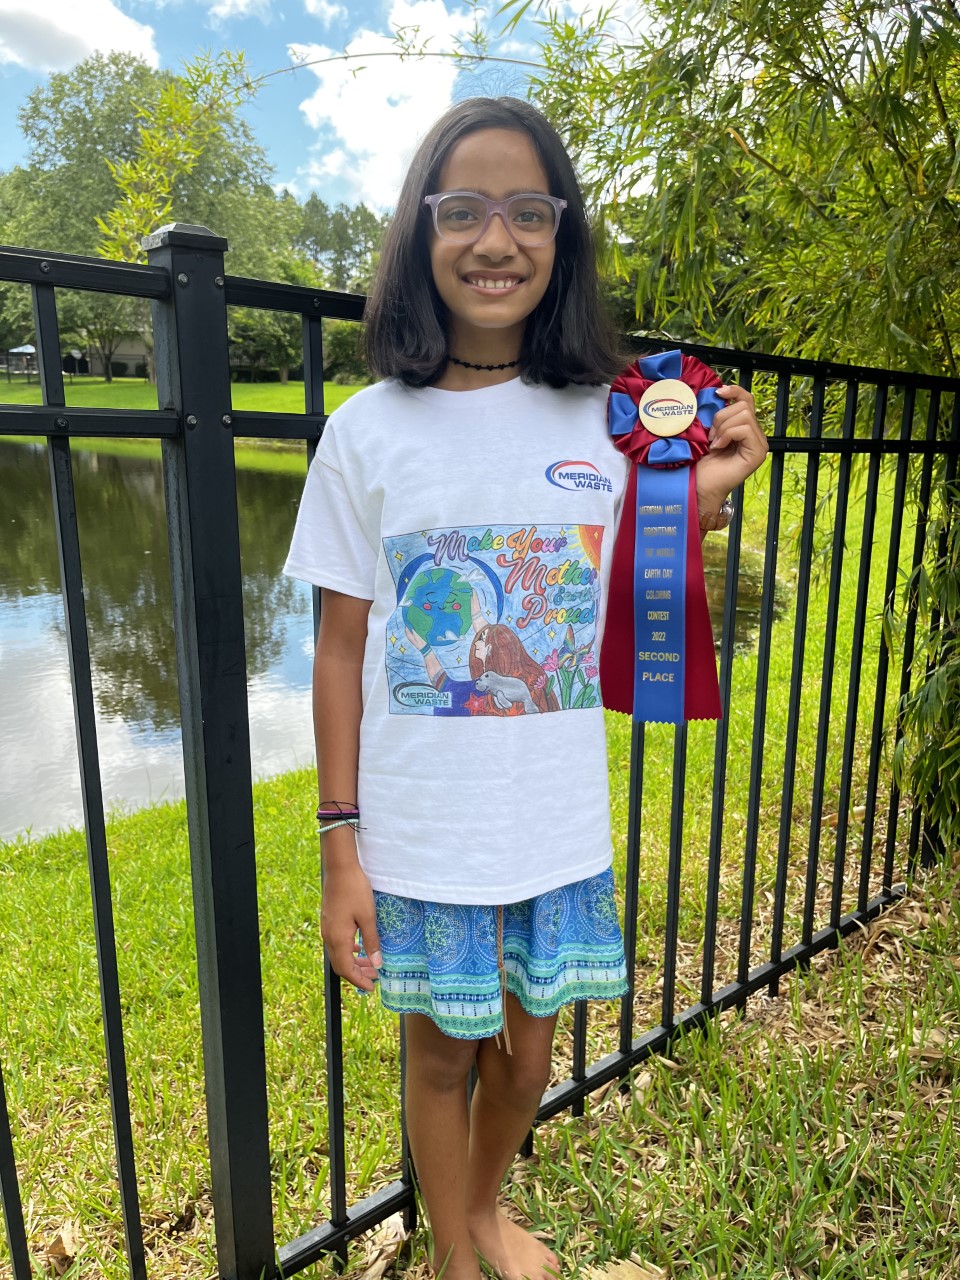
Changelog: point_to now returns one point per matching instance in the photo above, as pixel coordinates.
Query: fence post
(193, 378)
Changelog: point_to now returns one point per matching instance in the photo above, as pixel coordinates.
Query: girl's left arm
(737, 448)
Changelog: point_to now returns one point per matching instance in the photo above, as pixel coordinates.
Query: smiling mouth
(487, 282)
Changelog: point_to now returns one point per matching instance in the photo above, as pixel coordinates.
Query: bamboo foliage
(774, 174)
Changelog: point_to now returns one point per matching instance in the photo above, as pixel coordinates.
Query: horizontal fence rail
(843, 438)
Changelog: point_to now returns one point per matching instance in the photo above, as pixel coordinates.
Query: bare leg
(437, 1124)
(505, 1102)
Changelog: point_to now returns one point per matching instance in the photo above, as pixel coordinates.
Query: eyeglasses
(463, 216)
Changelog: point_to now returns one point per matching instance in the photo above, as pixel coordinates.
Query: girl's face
(497, 163)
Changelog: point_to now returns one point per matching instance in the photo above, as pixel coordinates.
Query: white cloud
(517, 49)
(626, 15)
(371, 115)
(54, 35)
(325, 11)
(225, 9)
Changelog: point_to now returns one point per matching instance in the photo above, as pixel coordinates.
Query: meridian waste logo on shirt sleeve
(494, 620)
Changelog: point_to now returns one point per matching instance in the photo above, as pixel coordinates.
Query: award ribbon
(657, 659)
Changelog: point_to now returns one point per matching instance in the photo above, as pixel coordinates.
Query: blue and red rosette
(657, 658)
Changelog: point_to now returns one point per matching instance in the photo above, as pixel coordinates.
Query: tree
(777, 174)
(342, 243)
(784, 175)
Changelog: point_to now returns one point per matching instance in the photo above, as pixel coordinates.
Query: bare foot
(512, 1252)
(450, 1266)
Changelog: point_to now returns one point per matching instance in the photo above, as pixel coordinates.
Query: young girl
(472, 493)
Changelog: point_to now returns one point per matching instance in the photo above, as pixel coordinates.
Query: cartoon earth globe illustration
(437, 606)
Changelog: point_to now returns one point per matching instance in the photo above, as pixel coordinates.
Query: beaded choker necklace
(491, 368)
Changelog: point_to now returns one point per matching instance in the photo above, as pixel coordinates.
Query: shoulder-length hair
(567, 338)
(508, 657)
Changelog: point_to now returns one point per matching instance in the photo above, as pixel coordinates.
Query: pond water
(123, 545)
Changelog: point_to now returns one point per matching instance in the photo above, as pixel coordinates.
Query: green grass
(134, 393)
(820, 1132)
(137, 393)
(815, 1138)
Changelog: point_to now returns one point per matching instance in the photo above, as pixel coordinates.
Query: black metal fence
(855, 430)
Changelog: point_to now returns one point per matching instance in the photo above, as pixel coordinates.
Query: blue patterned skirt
(452, 962)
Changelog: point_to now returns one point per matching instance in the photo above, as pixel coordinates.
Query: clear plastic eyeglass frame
(501, 207)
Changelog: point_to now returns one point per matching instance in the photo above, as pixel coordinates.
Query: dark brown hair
(568, 337)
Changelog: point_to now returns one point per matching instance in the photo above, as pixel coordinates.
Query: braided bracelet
(343, 822)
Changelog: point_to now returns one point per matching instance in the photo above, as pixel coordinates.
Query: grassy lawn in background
(137, 393)
(134, 393)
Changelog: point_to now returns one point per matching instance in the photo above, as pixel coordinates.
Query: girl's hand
(737, 448)
(347, 906)
(418, 642)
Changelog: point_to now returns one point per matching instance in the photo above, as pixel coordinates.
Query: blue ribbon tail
(659, 595)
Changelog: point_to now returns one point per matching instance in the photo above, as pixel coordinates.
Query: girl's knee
(527, 1076)
(442, 1060)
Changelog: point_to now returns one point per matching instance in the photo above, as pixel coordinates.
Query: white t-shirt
(480, 524)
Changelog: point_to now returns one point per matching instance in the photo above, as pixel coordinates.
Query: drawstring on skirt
(503, 983)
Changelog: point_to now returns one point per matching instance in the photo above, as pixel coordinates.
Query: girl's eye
(458, 215)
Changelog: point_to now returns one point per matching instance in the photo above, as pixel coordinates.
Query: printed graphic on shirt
(494, 620)
(578, 475)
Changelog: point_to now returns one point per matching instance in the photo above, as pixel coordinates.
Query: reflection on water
(123, 544)
(749, 592)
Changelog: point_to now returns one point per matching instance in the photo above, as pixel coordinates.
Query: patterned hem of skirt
(485, 1016)
(454, 963)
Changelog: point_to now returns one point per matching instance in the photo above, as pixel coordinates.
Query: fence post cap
(183, 235)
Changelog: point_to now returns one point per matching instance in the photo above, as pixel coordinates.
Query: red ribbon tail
(616, 649)
(701, 689)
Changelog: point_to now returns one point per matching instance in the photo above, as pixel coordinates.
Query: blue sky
(345, 130)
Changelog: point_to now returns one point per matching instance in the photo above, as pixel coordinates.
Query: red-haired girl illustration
(498, 649)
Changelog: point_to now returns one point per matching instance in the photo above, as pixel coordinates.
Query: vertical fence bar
(10, 1196)
(748, 891)
(631, 893)
(313, 394)
(193, 377)
(712, 906)
(931, 846)
(671, 931)
(799, 642)
(332, 997)
(766, 628)
(81, 683)
(883, 660)
(336, 1131)
(579, 1067)
(826, 670)
(407, 1171)
(906, 668)
(856, 656)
